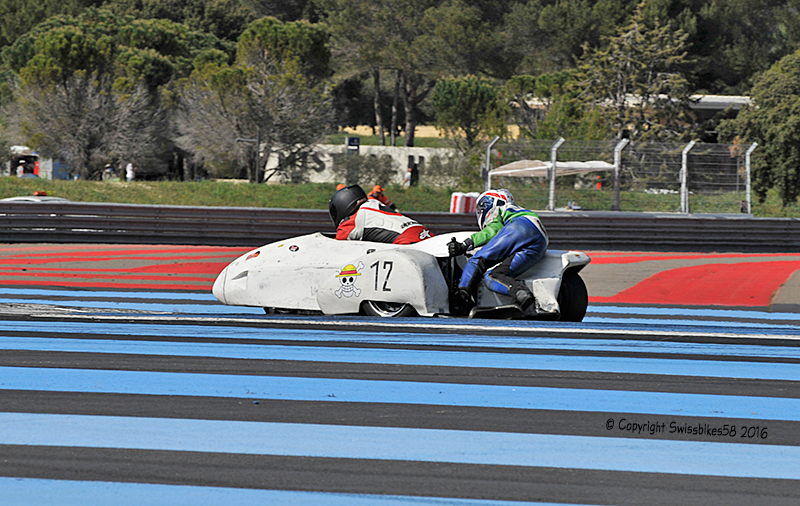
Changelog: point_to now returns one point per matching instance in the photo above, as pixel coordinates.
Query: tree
(773, 121)
(402, 20)
(86, 123)
(542, 37)
(531, 97)
(386, 35)
(459, 41)
(285, 10)
(736, 39)
(88, 90)
(637, 80)
(298, 43)
(569, 118)
(547, 107)
(18, 17)
(352, 103)
(278, 87)
(467, 108)
(215, 104)
(358, 40)
(225, 19)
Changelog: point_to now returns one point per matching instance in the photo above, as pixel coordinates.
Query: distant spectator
(130, 172)
(108, 172)
(407, 178)
(21, 169)
(377, 194)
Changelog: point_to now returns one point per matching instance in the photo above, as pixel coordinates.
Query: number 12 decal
(387, 267)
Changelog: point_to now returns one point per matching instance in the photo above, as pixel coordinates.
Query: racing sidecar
(317, 273)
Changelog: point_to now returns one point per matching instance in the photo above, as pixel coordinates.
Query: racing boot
(522, 295)
(461, 302)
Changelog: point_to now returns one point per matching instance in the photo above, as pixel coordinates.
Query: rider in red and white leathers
(360, 219)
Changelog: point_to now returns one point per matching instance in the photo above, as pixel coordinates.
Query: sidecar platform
(504, 312)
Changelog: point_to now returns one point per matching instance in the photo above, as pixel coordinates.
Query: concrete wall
(322, 159)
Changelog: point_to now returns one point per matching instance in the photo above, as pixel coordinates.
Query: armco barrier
(238, 226)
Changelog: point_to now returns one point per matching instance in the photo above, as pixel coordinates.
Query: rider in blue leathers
(513, 241)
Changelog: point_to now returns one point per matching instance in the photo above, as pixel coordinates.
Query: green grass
(215, 193)
(315, 196)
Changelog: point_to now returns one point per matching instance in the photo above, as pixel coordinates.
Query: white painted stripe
(351, 329)
(456, 325)
(115, 295)
(180, 306)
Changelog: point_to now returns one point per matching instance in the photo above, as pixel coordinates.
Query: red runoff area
(169, 268)
(749, 281)
(746, 283)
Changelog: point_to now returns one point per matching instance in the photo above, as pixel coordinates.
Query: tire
(387, 309)
(573, 298)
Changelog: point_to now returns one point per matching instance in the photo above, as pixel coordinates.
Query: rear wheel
(387, 309)
(573, 298)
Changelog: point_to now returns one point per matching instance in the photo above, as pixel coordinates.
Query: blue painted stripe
(39, 492)
(733, 326)
(432, 338)
(623, 365)
(426, 445)
(398, 392)
(693, 313)
(594, 320)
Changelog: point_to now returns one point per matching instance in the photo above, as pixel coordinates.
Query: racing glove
(456, 248)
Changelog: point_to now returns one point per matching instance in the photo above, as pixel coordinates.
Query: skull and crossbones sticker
(348, 276)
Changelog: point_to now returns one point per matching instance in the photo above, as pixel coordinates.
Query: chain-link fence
(626, 176)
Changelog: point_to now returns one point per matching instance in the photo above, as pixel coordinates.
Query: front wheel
(387, 309)
(573, 298)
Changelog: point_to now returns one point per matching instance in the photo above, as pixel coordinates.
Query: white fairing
(403, 276)
(318, 273)
(307, 273)
(543, 279)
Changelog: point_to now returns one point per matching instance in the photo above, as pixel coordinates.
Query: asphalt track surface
(122, 381)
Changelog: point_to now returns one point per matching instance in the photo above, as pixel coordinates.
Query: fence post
(617, 165)
(685, 177)
(486, 179)
(551, 205)
(747, 175)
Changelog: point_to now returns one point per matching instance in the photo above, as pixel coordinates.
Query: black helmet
(345, 202)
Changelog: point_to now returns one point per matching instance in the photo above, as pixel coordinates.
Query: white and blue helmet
(489, 204)
(507, 193)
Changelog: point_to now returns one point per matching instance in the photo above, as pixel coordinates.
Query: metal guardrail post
(487, 168)
(685, 177)
(551, 205)
(747, 176)
(617, 165)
